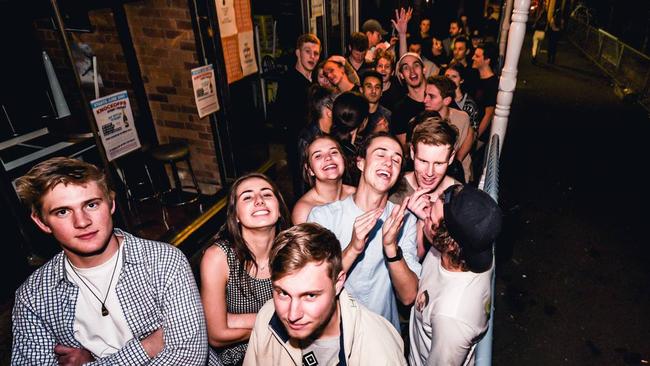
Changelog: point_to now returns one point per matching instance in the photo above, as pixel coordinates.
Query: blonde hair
(46, 175)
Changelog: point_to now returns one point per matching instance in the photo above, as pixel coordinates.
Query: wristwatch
(397, 256)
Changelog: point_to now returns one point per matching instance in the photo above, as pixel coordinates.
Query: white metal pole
(508, 79)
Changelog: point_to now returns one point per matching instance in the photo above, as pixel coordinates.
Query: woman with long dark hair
(235, 277)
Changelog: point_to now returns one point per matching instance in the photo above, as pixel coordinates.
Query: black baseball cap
(473, 220)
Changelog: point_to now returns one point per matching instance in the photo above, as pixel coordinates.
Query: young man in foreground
(108, 297)
(312, 320)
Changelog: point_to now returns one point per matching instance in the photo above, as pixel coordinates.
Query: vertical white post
(508, 80)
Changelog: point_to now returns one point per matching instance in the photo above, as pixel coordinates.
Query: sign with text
(115, 124)
(247, 53)
(205, 92)
(227, 18)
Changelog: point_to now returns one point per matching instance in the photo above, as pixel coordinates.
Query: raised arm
(223, 328)
(404, 279)
(401, 21)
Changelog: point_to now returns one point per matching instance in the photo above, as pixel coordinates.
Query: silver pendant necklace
(104, 309)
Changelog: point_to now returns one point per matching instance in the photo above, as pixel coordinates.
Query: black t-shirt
(486, 92)
(392, 95)
(405, 110)
(486, 96)
(292, 102)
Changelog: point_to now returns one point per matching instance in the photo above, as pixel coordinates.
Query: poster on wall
(247, 53)
(316, 8)
(205, 90)
(115, 124)
(227, 17)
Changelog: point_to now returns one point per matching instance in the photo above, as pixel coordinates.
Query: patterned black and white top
(244, 294)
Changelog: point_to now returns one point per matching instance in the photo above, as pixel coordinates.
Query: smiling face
(430, 163)
(334, 72)
(478, 60)
(325, 160)
(257, 206)
(79, 217)
(371, 89)
(411, 71)
(308, 56)
(381, 166)
(385, 68)
(305, 301)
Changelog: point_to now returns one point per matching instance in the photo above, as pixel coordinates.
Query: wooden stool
(171, 154)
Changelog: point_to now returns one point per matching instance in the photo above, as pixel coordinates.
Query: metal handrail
(628, 67)
(491, 186)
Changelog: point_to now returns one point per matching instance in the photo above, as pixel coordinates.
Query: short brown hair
(43, 177)
(446, 87)
(434, 131)
(307, 38)
(294, 248)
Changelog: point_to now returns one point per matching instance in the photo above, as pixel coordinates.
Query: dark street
(572, 272)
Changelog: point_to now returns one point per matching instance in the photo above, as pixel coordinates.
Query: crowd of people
(389, 241)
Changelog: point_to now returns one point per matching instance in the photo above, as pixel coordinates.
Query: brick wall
(164, 42)
(165, 47)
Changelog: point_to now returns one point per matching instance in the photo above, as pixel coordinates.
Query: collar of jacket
(348, 308)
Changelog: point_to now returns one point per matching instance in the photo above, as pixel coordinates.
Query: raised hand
(362, 226)
(401, 21)
(420, 202)
(392, 226)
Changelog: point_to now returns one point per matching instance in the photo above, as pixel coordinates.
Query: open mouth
(330, 167)
(384, 174)
(260, 213)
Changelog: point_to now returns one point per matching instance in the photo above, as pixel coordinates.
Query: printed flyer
(115, 124)
(205, 92)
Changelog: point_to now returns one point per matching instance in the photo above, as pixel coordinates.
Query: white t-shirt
(450, 314)
(101, 335)
(368, 280)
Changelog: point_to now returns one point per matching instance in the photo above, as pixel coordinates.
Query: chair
(172, 154)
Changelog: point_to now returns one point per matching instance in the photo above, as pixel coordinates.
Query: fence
(629, 68)
(491, 186)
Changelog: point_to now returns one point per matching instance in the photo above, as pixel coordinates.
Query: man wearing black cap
(453, 302)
